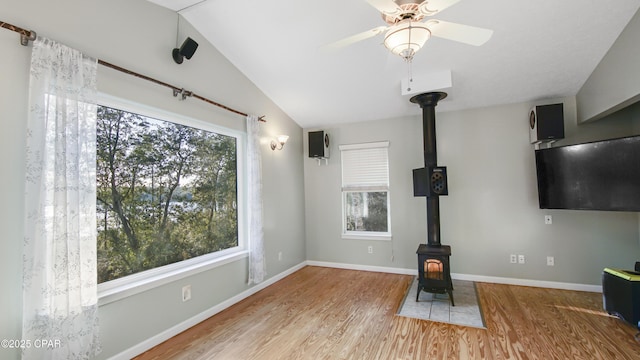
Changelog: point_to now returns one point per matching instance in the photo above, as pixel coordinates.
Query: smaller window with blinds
(365, 191)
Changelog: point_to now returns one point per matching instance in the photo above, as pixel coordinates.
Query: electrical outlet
(520, 259)
(370, 249)
(513, 258)
(186, 293)
(550, 261)
(280, 256)
(548, 219)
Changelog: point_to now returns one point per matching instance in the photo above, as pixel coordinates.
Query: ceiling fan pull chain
(409, 59)
(409, 48)
(410, 75)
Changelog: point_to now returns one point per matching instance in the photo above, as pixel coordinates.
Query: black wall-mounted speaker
(546, 123)
(188, 48)
(420, 183)
(438, 181)
(430, 181)
(318, 144)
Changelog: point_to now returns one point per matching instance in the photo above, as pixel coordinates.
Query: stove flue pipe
(428, 102)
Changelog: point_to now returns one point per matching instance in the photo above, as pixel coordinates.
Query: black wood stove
(433, 270)
(433, 257)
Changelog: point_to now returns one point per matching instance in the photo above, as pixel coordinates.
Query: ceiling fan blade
(354, 39)
(432, 7)
(457, 32)
(385, 6)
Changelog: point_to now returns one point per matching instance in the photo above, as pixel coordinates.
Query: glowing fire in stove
(433, 269)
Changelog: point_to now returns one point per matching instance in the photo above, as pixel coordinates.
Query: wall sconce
(279, 143)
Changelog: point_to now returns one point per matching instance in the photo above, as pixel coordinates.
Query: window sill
(134, 284)
(365, 236)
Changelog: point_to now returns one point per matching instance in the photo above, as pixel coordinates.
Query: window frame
(129, 285)
(365, 235)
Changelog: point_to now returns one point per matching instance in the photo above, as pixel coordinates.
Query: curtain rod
(29, 35)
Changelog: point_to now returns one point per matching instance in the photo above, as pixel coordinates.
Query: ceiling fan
(406, 33)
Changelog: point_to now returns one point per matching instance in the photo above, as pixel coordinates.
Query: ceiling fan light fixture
(406, 38)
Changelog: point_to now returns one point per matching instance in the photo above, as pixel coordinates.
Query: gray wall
(615, 83)
(492, 208)
(491, 212)
(138, 35)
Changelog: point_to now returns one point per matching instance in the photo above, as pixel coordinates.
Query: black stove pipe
(428, 102)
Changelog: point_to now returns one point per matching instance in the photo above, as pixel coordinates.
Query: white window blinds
(365, 166)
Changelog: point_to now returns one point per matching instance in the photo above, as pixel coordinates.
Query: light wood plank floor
(324, 313)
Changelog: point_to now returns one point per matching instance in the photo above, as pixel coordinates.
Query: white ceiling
(540, 49)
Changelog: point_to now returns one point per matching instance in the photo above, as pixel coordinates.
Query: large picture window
(365, 190)
(166, 192)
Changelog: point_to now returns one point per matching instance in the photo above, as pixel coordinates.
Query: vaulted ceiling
(540, 49)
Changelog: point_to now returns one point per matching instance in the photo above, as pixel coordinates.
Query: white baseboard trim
(363, 267)
(177, 329)
(527, 282)
(477, 278)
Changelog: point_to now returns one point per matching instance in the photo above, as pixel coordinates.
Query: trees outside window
(366, 211)
(166, 192)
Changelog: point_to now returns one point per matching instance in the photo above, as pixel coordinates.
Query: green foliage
(366, 211)
(166, 193)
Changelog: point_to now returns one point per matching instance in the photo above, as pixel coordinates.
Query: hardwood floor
(325, 313)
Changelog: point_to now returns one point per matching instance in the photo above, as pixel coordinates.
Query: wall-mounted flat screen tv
(601, 175)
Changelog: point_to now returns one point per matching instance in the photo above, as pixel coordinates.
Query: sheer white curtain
(60, 282)
(257, 265)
